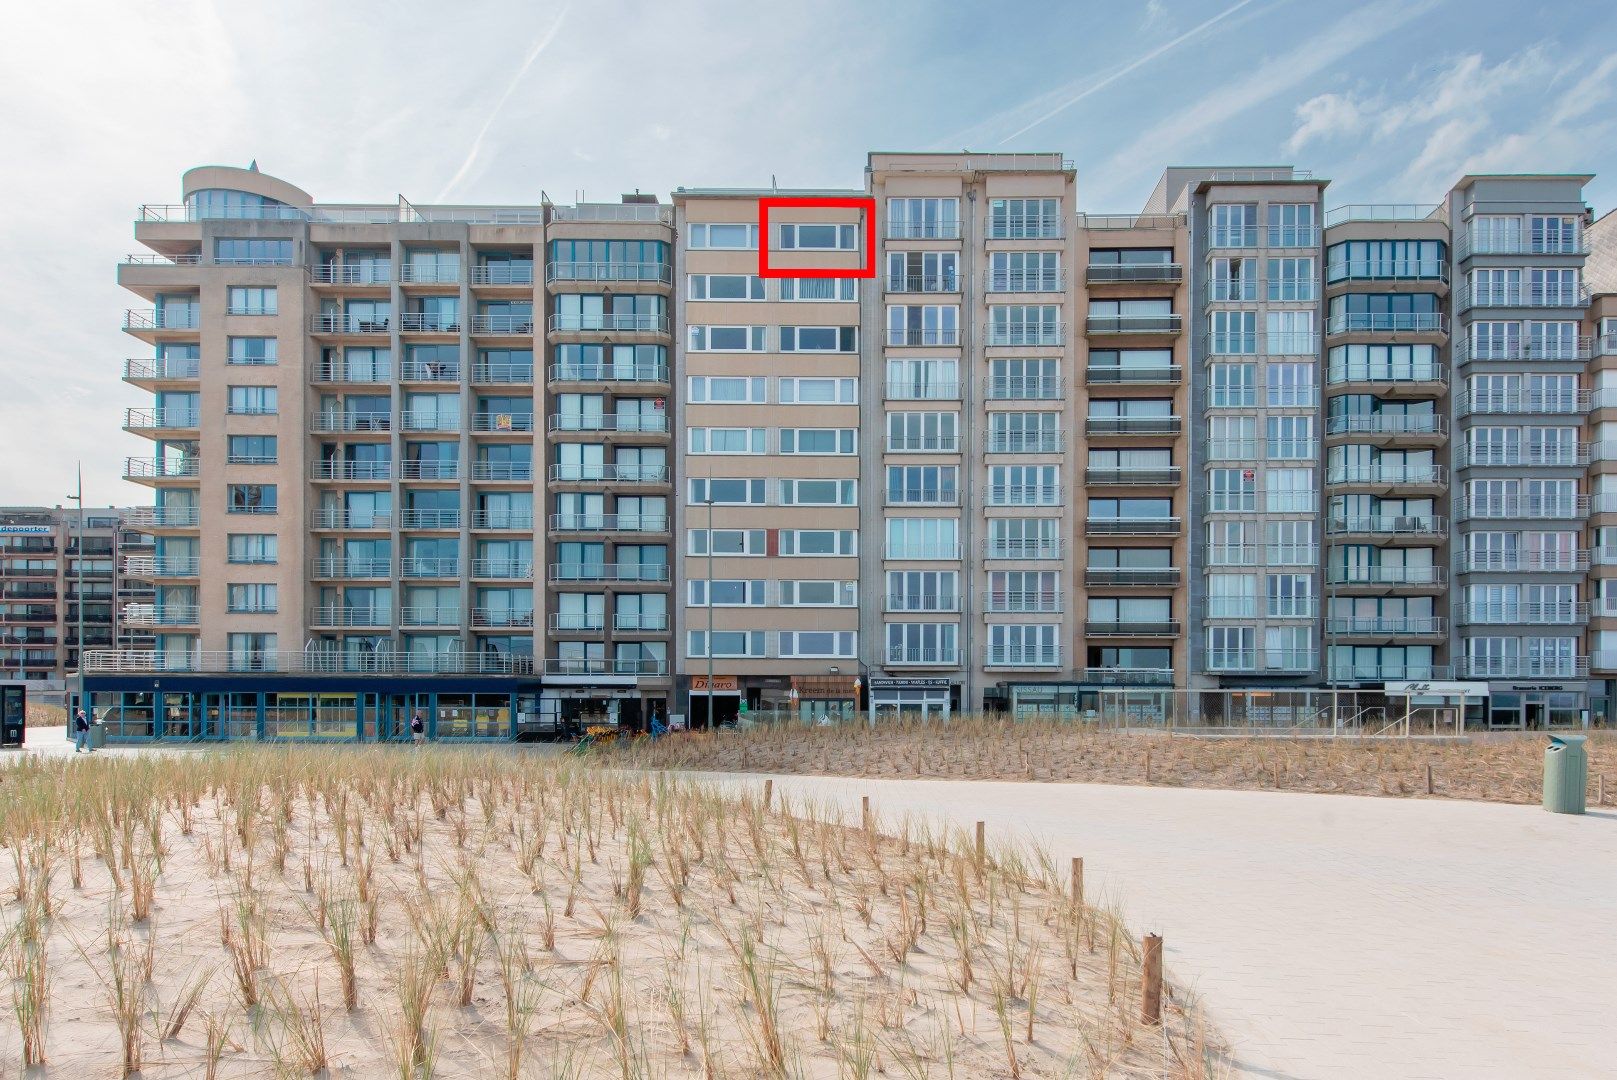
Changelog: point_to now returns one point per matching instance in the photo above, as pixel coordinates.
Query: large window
(724, 287)
(724, 237)
(252, 400)
(923, 219)
(819, 237)
(251, 351)
(726, 338)
(244, 251)
(242, 300)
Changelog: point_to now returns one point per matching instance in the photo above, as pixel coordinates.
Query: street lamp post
(710, 724)
(78, 581)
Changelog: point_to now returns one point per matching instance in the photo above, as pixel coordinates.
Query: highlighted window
(801, 237)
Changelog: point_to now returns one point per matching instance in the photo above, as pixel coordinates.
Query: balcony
(1118, 676)
(930, 337)
(655, 423)
(607, 523)
(923, 444)
(1020, 550)
(411, 371)
(1023, 388)
(429, 273)
(1525, 562)
(504, 325)
(1341, 215)
(300, 661)
(1514, 614)
(922, 604)
(142, 470)
(430, 422)
(1022, 603)
(332, 324)
(1130, 576)
(162, 615)
(1023, 656)
(1132, 273)
(484, 618)
(1523, 296)
(162, 369)
(1432, 270)
(1548, 402)
(1466, 245)
(360, 273)
(1411, 525)
(1523, 507)
(1511, 351)
(1131, 425)
(1274, 661)
(337, 615)
(653, 273)
(1520, 667)
(1389, 424)
(1387, 323)
(429, 470)
(161, 420)
(502, 423)
(1420, 380)
(1383, 626)
(502, 373)
(339, 568)
(1233, 236)
(640, 623)
(329, 518)
(1132, 477)
(502, 569)
(1133, 324)
(1346, 672)
(140, 321)
(1024, 494)
(502, 273)
(430, 567)
(352, 470)
(923, 283)
(578, 622)
(599, 665)
(1131, 629)
(503, 520)
(560, 572)
(1037, 227)
(608, 474)
(429, 322)
(1168, 526)
(900, 657)
(433, 520)
(163, 517)
(608, 322)
(609, 373)
(502, 472)
(1567, 456)
(1025, 442)
(413, 615)
(1388, 476)
(331, 423)
(931, 391)
(161, 566)
(1047, 336)
(922, 230)
(894, 550)
(1386, 576)
(1137, 376)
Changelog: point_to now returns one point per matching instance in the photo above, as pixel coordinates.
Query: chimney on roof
(252, 166)
(639, 198)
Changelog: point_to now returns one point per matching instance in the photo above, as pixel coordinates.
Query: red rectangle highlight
(867, 269)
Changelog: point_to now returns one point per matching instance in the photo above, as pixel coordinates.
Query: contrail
(477, 144)
(1132, 65)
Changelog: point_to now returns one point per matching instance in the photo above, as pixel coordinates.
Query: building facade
(942, 442)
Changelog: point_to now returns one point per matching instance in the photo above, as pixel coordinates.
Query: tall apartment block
(943, 442)
(57, 571)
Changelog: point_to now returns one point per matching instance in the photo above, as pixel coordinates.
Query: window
(1024, 324)
(721, 390)
(1026, 271)
(819, 492)
(726, 338)
(1292, 225)
(1554, 235)
(1233, 225)
(1024, 485)
(923, 324)
(251, 548)
(1290, 437)
(923, 590)
(252, 251)
(820, 290)
(923, 484)
(724, 287)
(1233, 280)
(919, 432)
(819, 339)
(1290, 385)
(817, 440)
(252, 401)
(923, 271)
(819, 391)
(922, 643)
(254, 598)
(819, 542)
(726, 440)
(819, 237)
(725, 237)
(252, 351)
(1289, 332)
(730, 643)
(242, 300)
(252, 652)
(1024, 219)
(923, 538)
(725, 593)
(1231, 648)
(923, 219)
(1025, 644)
(251, 499)
(1232, 491)
(1034, 379)
(1291, 279)
(818, 594)
(1233, 332)
(251, 450)
(833, 644)
(727, 541)
(743, 492)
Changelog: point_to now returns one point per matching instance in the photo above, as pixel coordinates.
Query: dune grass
(449, 912)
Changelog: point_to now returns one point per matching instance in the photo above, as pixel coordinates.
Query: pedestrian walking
(418, 729)
(81, 733)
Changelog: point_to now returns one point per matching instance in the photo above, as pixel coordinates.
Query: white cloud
(1327, 117)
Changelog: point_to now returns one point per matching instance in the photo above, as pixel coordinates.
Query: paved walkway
(1340, 937)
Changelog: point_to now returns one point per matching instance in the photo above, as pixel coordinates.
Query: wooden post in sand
(864, 812)
(1151, 979)
(1428, 778)
(982, 846)
(769, 791)
(1078, 883)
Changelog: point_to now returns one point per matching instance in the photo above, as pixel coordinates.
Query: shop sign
(1437, 689)
(722, 684)
(911, 684)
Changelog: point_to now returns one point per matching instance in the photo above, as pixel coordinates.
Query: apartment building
(943, 442)
(56, 572)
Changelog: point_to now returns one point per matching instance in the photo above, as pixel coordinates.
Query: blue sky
(107, 103)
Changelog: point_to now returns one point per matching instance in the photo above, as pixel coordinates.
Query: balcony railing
(896, 550)
(1233, 236)
(1026, 281)
(919, 444)
(352, 470)
(413, 371)
(505, 273)
(1025, 442)
(595, 665)
(925, 602)
(1385, 625)
(607, 572)
(429, 470)
(1341, 215)
(1024, 494)
(162, 368)
(1521, 667)
(337, 615)
(503, 520)
(923, 283)
(1112, 375)
(1558, 402)
(503, 471)
(608, 322)
(348, 569)
(1337, 574)
(655, 423)
(140, 468)
(161, 419)
(653, 523)
(1023, 387)
(1021, 549)
(1467, 245)
(163, 517)
(1549, 349)
(1523, 296)
(1386, 373)
(336, 518)
(338, 323)
(1012, 603)
(609, 474)
(1140, 476)
(1388, 525)
(1434, 270)
(1532, 562)
(364, 273)
(1140, 628)
(429, 519)
(502, 325)
(1574, 454)
(1387, 323)
(504, 569)
(1114, 273)
(1530, 507)
(501, 618)
(1133, 324)
(502, 373)
(1277, 660)
(162, 615)
(161, 566)
(1529, 614)
(180, 318)
(1027, 336)
(1346, 671)
(1388, 424)
(1388, 475)
(1037, 227)
(502, 421)
(578, 622)
(1167, 526)
(923, 230)
(1023, 656)
(1132, 425)
(652, 272)
(430, 322)
(1121, 676)
(602, 373)
(1127, 575)
(306, 662)
(929, 391)
(947, 337)
(425, 567)
(640, 623)
(896, 656)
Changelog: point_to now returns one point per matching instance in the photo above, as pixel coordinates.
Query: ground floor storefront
(725, 700)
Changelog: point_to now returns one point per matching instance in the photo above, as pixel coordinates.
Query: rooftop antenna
(252, 166)
(772, 184)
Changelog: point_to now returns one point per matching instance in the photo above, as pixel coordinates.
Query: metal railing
(655, 423)
(1010, 603)
(655, 213)
(1025, 442)
(429, 470)
(142, 468)
(1259, 659)
(1120, 575)
(163, 517)
(1385, 625)
(337, 615)
(502, 421)
(923, 283)
(1466, 351)
(1022, 549)
(1133, 628)
(1571, 401)
(430, 421)
(933, 336)
(1337, 574)
(365, 273)
(607, 572)
(1383, 475)
(1026, 336)
(652, 523)
(162, 615)
(331, 423)
(1388, 424)
(429, 371)
(337, 566)
(1380, 212)
(502, 471)
(1023, 494)
(1141, 476)
(1022, 656)
(161, 566)
(577, 622)
(504, 569)
(567, 473)
(1435, 270)
(1028, 281)
(898, 656)
(1132, 425)
(932, 391)
(1388, 525)
(1386, 373)
(631, 323)
(1524, 614)
(1132, 273)
(183, 318)
(501, 618)
(429, 322)
(429, 519)
(1133, 324)
(1523, 295)
(1117, 375)
(603, 666)
(654, 273)
(1521, 667)
(351, 470)
(592, 373)
(1549, 456)
(916, 444)
(922, 230)
(497, 325)
(502, 373)
(1533, 562)
(903, 603)
(1408, 322)
(1130, 221)
(641, 623)
(332, 322)
(897, 550)
(1351, 672)
(512, 273)
(312, 662)
(335, 518)
(1523, 506)
(162, 367)
(502, 520)
(1132, 526)
(336, 372)
(1465, 245)
(426, 567)
(161, 419)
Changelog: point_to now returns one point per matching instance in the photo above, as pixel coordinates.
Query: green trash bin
(98, 736)
(1566, 774)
